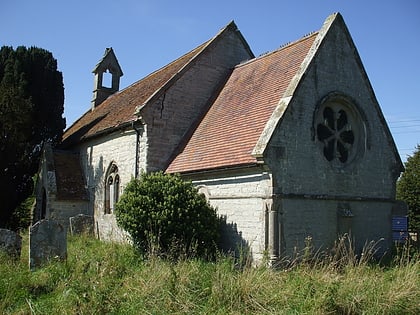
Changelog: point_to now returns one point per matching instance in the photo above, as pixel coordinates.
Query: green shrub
(165, 212)
(21, 217)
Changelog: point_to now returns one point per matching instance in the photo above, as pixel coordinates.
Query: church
(287, 145)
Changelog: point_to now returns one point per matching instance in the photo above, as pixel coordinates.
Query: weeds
(103, 278)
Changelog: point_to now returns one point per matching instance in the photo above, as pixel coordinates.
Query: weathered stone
(47, 241)
(10, 242)
(81, 224)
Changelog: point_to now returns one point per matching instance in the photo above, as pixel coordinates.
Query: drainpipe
(136, 164)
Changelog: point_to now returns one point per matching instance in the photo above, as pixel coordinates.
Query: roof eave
(100, 133)
(218, 169)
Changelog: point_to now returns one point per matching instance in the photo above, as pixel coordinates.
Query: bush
(165, 211)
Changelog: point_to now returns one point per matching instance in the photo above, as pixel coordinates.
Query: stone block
(47, 241)
(11, 243)
(81, 224)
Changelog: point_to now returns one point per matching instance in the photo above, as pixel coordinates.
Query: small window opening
(107, 79)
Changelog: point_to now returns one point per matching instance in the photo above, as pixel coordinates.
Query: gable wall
(311, 189)
(56, 209)
(298, 157)
(172, 115)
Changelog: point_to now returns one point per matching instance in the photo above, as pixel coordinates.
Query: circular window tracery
(338, 130)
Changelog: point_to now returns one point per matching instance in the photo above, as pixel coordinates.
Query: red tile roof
(119, 109)
(231, 128)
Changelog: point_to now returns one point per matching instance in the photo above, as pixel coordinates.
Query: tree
(31, 108)
(165, 211)
(408, 188)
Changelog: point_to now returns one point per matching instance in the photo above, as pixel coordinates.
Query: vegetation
(166, 211)
(104, 278)
(408, 189)
(31, 108)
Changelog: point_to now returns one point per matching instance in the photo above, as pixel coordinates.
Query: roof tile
(123, 104)
(231, 128)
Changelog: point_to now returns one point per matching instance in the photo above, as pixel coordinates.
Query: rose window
(339, 129)
(335, 132)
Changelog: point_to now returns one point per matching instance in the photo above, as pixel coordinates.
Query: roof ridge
(283, 46)
(200, 49)
(165, 75)
(164, 67)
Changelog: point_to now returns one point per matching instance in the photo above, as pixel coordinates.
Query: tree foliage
(408, 188)
(31, 108)
(164, 210)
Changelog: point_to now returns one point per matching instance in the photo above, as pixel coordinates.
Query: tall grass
(107, 278)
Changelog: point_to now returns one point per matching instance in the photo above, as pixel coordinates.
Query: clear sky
(148, 34)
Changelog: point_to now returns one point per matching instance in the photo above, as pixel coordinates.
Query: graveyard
(103, 277)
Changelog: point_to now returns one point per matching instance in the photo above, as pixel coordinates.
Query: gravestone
(81, 224)
(47, 241)
(11, 243)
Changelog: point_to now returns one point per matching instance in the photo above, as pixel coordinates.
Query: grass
(107, 278)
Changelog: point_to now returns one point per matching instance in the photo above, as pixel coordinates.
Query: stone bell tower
(108, 64)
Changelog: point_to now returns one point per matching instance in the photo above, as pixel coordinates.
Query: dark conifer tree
(31, 109)
(408, 189)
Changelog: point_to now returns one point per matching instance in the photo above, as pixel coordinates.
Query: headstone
(47, 241)
(11, 243)
(81, 224)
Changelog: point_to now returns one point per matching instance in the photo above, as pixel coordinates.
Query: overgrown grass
(106, 278)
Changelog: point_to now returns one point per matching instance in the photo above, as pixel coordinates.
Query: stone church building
(288, 145)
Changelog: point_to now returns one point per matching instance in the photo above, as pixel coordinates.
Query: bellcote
(108, 64)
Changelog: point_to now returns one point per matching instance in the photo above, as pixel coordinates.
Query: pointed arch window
(112, 188)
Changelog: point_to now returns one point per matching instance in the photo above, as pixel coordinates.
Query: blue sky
(146, 35)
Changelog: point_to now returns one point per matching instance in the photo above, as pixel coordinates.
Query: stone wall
(311, 186)
(324, 220)
(242, 198)
(62, 210)
(97, 155)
